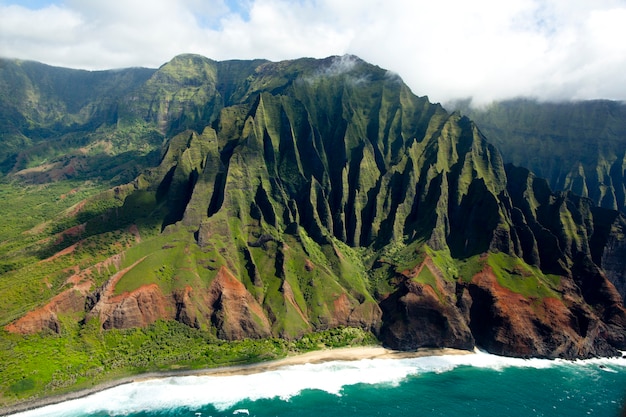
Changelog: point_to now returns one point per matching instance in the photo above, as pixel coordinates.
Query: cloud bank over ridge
(485, 49)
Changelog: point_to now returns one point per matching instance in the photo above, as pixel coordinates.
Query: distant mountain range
(257, 199)
(577, 146)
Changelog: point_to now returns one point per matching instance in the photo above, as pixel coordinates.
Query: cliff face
(310, 194)
(420, 315)
(235, 312)
(548, 327)
(576, 146)
(613, 255)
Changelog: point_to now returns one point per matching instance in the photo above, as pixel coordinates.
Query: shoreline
(317, 356)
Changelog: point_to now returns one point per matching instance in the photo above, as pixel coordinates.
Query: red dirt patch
(137, 308)
(72, 231)
(239, 313)
(76, 208)
(69, 301)
(60, 253)
(135, 232)
(308, 265)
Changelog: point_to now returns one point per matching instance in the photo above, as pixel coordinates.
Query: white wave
(224, 392)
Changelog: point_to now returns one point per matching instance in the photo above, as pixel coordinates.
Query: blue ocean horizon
(477, 384)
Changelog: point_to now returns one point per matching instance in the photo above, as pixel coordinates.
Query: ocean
(477, 384)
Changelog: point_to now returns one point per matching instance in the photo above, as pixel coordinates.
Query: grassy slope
(26, 206)
(511, 272)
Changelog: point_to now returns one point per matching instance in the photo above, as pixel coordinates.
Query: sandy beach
(318, 356)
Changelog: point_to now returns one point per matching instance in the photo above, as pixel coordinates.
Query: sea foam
(224, 392)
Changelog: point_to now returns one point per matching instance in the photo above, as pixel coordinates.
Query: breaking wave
(224, 392)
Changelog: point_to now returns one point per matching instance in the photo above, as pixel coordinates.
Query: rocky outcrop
(415, 317)
(138, 308)
(35, 321)
(185, 308)
(506, 323)
(233, 310)
(420, 315)
(601, 296)
(482, 312)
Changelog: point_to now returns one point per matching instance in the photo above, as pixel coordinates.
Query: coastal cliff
(274, 200)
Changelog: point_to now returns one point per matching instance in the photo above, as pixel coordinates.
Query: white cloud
(51, 25)
(488, 49)
(279, 30)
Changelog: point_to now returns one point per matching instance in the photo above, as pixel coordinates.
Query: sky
(447, 49)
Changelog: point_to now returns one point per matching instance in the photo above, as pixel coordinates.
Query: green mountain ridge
(68, 119)
(577, 146)
(276, 199)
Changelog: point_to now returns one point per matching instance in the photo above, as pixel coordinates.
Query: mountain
(302, 196)
(60, 120)
(576, 146)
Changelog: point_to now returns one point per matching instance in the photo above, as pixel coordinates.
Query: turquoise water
(459, 385)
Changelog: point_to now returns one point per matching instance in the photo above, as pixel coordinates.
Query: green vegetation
(426, 277)
(514, 274)
(320, 185)
(170, 260)
(25, 206)
(444, 262)
(48, 364)
(577, 146)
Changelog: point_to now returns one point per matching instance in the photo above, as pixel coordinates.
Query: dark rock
(416, 315)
